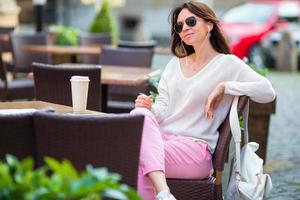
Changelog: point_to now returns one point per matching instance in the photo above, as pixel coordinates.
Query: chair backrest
(211, 187)
(88, 39)
(6, 46)
(3, 80)
(103, 141)
(137, 44)
(222, 147)
(24, 59)
(52, 84)
(2, 71)
(93, 39)
(126, 56)
(135, 57)
(17, 135)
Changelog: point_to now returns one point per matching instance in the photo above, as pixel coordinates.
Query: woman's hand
(143, 101)
(214, 100)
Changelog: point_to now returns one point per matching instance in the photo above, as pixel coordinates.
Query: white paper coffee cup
(80, 87)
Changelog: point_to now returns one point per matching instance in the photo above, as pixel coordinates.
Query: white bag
(247, 180)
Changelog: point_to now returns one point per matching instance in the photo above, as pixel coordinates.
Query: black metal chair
(121, 98)
(209, 188)
(17, 88)
(93, 39)
(103, 141)
(52, 84)
(23, 59)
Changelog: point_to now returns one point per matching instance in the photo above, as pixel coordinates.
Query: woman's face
(192, 34)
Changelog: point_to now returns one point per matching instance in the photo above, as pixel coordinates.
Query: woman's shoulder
(173, 62)
(232, 58)
(233, 61)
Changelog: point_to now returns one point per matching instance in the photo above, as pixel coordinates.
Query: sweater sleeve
(161, 106)
(251, 84)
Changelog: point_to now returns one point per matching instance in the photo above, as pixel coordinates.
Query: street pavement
(283, 152)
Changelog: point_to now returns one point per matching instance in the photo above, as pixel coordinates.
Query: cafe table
(120, 76)
(42, 104)
(57, 50)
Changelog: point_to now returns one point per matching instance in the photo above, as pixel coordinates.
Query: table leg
(74, 58)
(104, 98)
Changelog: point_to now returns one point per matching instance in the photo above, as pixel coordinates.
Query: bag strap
(245, 118)
(236, 130)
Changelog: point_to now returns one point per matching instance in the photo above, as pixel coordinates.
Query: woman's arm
(248, 83)
(251, 84)
(160, 108)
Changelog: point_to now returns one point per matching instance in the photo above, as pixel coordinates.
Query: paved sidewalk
(283, 154)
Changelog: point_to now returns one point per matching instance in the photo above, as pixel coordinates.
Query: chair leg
(218, 192)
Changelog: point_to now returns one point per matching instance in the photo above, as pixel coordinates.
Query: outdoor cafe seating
(52, 83)
(22, 59)
(17, 88)
(103, 140)
(121, 98)
(89, 39)
(111, 141)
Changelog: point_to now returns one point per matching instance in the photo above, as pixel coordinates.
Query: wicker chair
(121, 98)
(103, 141)
(137, 44)
(19, 140)
(89, 39)
(5, 46)
(17, 133)
(52, 84)
(18, 88)
(23, 59)
(210, 188)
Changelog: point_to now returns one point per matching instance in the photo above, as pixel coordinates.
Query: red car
(247, 24)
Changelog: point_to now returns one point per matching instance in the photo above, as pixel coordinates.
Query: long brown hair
(201, 10)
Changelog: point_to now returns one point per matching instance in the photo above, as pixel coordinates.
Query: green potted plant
(105, 22)
(64, 35)
(19, 180)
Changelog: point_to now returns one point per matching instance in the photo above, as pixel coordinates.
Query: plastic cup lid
(79, 78)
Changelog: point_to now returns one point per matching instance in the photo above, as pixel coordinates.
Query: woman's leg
(177, 156)
(186, 158)
(151, 176)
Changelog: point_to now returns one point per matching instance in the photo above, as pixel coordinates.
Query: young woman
(195, 94)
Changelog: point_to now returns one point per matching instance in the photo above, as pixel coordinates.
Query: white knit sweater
(179, 108)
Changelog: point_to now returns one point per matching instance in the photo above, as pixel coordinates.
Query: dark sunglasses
(190, 21)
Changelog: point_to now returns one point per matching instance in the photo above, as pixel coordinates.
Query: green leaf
(19, 180)
(53, 164)
(115, 194)
(69, 170)
(11, 160)
(5, 177)
(27, 164)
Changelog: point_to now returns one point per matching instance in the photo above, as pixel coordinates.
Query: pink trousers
(177, 156)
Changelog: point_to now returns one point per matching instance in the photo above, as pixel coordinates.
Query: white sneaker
(164, 195)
